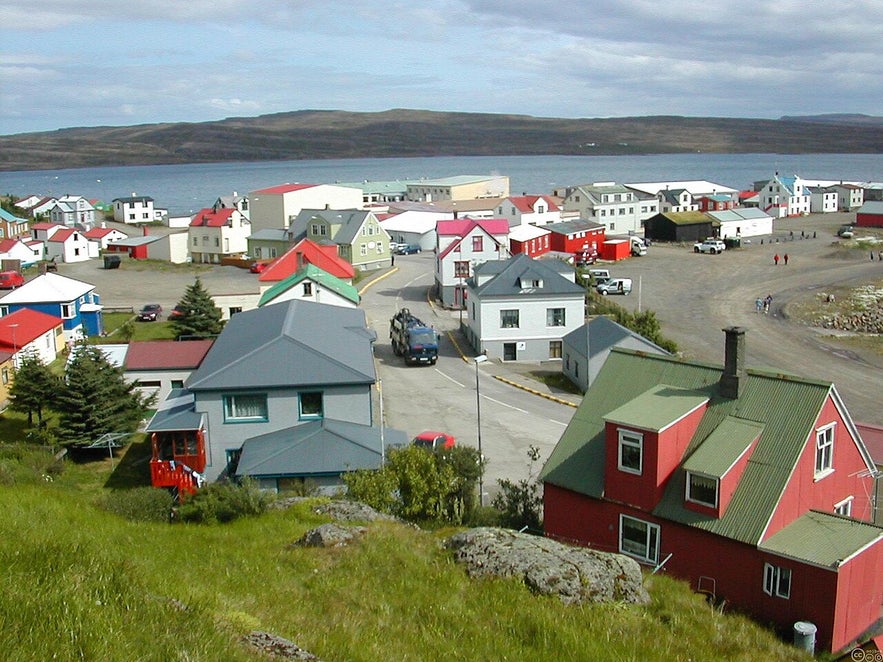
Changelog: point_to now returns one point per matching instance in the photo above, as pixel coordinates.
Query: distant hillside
(320, 134)
(836, 118)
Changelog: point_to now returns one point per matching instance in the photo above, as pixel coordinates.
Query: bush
(223, 502)
(141, 504)
(23, 464)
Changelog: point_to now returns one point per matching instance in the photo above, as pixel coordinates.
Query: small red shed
(615, 249)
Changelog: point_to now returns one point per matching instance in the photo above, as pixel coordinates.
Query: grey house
(586, 348)
(286, 392)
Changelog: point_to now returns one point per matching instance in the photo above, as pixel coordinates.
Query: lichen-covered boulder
(329, 535)
(575, 574)
(273, 645)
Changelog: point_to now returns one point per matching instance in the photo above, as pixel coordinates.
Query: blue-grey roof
(269, 234)
(511, 274)
(602, 333)
(288, 345)
(349, 220)
(176, 413)
(325, 447)
(571, 227)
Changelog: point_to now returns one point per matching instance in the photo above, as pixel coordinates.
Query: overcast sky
(66, 63)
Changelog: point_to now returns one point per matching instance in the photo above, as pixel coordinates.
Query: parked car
(845, 232)
(600, 275)
(150, 312)
(257, 267)
(615, 286)
(434, 440)
(408, 249)
(177, 312)
(712, 246)
(582, 258)
(9, 280)
(394, 246)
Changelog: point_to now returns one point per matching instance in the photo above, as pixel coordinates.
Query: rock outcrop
(329, 535)
(577, 575)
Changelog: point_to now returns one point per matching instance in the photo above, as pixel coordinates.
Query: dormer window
(702, 489)
(824, 451)
(630, 452)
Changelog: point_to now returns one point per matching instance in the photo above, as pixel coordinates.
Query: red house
(754, 486)
(715, 202)
(531, 240)
(576, 236)
(870, 215)
(323, 256)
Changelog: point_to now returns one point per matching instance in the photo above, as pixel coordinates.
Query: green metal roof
(723, 447)
(823, 539)
(657, 408)
(785, 406)
(317, 275)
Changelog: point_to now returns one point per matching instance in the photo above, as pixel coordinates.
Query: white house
(459, 187)
(136, 209)
(68, 244)
(413, 227)
(463, 244)
(849, 196)
(217, 233)
(520, 309)
(675, 200)
(822, 199)
(784, 196)
(16, 249)
(612, 205)
(743, 222)
(277, 206)
(73, 211)
(99, 238)
(529, 210)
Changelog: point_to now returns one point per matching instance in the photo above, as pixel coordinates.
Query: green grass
(113, 322)
(80, 583)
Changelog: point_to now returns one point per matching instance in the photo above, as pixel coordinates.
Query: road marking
(505, 404)
(450, 378)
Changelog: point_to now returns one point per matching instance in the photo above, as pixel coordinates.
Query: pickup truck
(713, 246)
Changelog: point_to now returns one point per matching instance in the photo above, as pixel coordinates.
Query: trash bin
(111, 261)
(805, 636)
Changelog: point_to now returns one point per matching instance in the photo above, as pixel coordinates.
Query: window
(4, 311)
(310, 405)
(217, 242)
(554, 349)
(177, 383)
(631, 452)
(149, 383)
(5, 375)
(245, 408)
(308, 289)
(702, 490)
(843, 508)
(477, 244)
(234, 309)
(363, 249)
(508, 319)
(554, 316)
(67, 311)
(639, 539)
(776, 581)
(195, 241)
(461, 269)
(824, 450)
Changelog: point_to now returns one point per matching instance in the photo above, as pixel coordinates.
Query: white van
(600, 275)
(615, 286)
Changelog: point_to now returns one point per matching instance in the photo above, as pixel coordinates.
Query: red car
(9, 280)
(434, 440)
(257, 267)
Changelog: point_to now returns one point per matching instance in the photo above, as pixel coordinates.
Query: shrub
(24, 464)
(223, 502)
(141, 504)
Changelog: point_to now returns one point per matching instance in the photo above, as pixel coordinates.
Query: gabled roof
(526, 203)
(213, 218)
(460, 227)
(287, 346)
(176, 413)
(134, 198)
(316, 448)
(528, 232)
(166, 354)
(284, 188)
(739, 214)
(98, 233)
(304, 252)
(601, 334)
(322, 278)
(822, 539)
(348, 222)
(24, 325)
(577, 462)
(62, 235)
(48, 288)
(510, 274)
(45, 226)
(6, 216)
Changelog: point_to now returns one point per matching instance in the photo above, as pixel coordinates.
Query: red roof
(45, 226)
(61, 236)
(285, 188)
(166, 354)
(7, 244)
(97, 233)
(23, 326)
(211, 218)
(460, 227)
(872, 435)
(525, 203)
(305, 251)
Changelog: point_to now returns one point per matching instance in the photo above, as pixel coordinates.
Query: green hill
(81, 583)
(320, 134)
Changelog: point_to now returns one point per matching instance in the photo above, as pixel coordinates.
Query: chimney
(733, 379)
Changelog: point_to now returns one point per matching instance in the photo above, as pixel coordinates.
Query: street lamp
(481, 358)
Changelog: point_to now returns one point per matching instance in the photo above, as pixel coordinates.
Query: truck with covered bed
(413, 339)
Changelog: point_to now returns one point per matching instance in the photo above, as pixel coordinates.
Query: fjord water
(184, 189)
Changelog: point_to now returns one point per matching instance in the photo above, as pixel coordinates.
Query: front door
(509, 351)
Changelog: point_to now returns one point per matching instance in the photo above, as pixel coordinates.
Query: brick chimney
(733, 379)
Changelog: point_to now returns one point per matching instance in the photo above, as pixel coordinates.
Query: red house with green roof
(756, 487)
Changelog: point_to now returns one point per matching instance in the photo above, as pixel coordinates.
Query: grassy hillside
(318, 134)
(80, 583)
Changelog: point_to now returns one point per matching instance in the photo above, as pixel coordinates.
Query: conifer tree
(95, 398)
(200, 318)
(33, 387)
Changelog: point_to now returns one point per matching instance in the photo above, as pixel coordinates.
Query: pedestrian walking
(776, 259)
(758, 305)
(767, 302)
(785, 257)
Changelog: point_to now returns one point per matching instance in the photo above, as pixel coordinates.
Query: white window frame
(650, 553)
(68, 311)
(844, 507)
(824, 455)
(689, 489)
(776, 581)
(631, 440)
